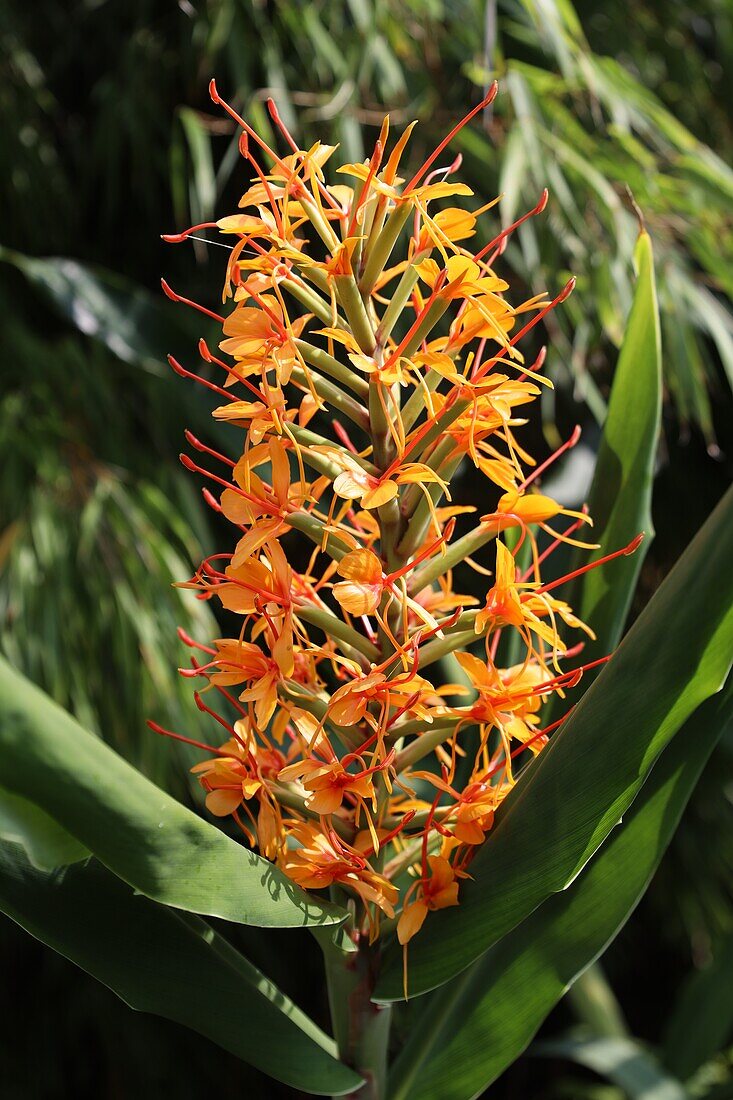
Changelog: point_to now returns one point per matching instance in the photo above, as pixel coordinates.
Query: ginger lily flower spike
(366, 352)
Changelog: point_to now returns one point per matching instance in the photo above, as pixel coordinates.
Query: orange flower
(350, 431)
(438, 891)
(322, 860)
(328, 783)
(228, 779)
(361, 591)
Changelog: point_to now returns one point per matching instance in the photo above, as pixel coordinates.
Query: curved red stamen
(488, 98)
(538, 209)
(170, 293)
(564, 293)
(197, 378)
(625, 551)
(186, 740)
(566, 446)
(178, 238)
(204, 449)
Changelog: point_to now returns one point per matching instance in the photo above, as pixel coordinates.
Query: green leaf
(620, 497)
(469, 1034)
(702, 1019)
(623, 1061)
(173, 965)
(564, 806)
(135, 829)
(46, 844)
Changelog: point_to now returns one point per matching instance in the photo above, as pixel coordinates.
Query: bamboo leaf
(173, 965)
(623, 1061)
(133, 827)
(467, 1036)
(675, 656)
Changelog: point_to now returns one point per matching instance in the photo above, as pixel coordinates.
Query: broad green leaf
(469, 1034)
(624, 1061)
(46, 844)
(676, 655)
(702, 1020)
(170, 964)
(133, 827)
(620, 497)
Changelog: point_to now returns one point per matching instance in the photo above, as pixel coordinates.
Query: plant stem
(361, 1028)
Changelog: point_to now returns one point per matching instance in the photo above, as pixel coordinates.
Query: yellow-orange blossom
(355, 382)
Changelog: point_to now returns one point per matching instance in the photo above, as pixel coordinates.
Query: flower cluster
(367, 749)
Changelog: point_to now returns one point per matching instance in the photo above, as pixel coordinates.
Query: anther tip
(491, 94)
(567, 290)
(213, 91)
(634, 544)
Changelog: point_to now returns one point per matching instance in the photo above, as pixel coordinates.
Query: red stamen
(216, 98)
(553, 458)
(624, 552)
(244, 150)
(515, 225)
(217, 717)
(178, 238)
(564, 293)
(192, 643)
(405, 707)
(223, 691)
(419, 436)
(445, 537)
(197, 378)
(208, 357)
(540, 734)
(374, 163)
(488, 98)
(439, 282)
(214, 504)
(186, 740)
(169, 293)
(275, 116)
(445, 172)
(426, 832)
(392, 833)
(190, 465)
(279, 326)
(343, 435)
(553, 546)
(202, 447)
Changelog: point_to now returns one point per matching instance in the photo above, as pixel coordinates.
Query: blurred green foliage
(109, 139)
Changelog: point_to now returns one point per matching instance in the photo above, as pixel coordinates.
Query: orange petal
(357, 599)
(380, 494)
(411, 920)
(223, 803)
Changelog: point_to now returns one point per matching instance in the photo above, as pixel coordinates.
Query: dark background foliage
(107, 139)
